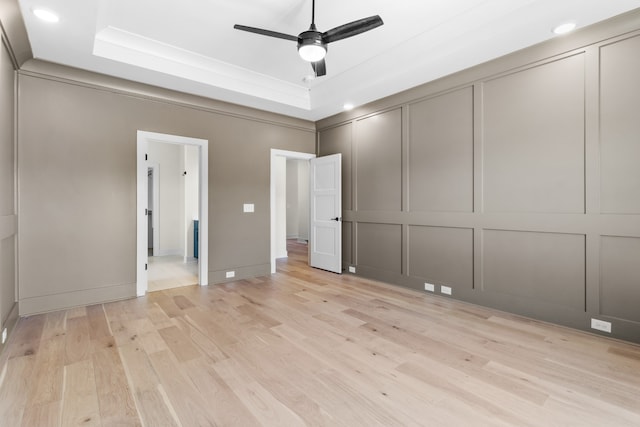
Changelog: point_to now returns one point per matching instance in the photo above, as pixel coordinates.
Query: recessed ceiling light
(565, 28)
(347, 107)
(46, 15)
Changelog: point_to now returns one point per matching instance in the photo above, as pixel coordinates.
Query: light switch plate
(248, 207)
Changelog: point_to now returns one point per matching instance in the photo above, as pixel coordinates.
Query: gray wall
(77, 171)
(516, 183)
(8, 217)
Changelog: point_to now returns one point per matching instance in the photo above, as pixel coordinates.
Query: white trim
(143, 139)
(135, 49)
(272, 201)
(142, 201)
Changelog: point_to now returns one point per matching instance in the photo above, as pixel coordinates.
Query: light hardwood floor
(307, 347)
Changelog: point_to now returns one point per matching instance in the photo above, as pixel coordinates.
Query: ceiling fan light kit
(312, 44)
(312, 52)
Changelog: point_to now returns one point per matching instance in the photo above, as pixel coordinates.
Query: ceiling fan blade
(266, 32)
(351, 29)
(320, 68)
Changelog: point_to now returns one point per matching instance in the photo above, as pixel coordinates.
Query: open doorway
(172, 214)
(172, 211)
(281, 225)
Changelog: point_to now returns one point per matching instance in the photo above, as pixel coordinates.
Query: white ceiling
(191, 46)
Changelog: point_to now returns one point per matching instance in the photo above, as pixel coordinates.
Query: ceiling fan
(312, 44)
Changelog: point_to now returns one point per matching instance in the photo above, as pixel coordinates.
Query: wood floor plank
(47, 377)
(157, 316)
(115, 399)
(80, 399)
(55, 324)
(149, 399)
(346, 370)
(77, 344)
(180, 344)
(27, 336)
(152, 342)
(191, 408)
(166, 303)
(76, 312)
(16, 378)
(254, 312)
(227, 408)
(154, 408)
(309, 387)
(268, 372)
(262, 404)
(45, 415)
(200, 339)
(475, 396)
(182, 302)
(99, 326)
(125, 331)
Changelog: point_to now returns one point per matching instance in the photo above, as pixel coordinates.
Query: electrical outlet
(230, 274)
(429, 287)
(352, 269)
(4, 335)
(601, 325)
(445, 290)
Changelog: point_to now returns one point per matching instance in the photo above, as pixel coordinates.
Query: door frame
(143, 139)
(272, 201)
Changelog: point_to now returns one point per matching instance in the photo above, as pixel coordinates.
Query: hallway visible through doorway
(167, 272)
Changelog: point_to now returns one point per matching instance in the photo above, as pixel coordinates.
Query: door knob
(335, 219)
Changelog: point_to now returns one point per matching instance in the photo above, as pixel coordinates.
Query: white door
(325, 227)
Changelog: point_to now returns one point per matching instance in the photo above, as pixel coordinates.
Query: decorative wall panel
(533, 139)
(441, 153)
(379, 162)
(442, 255)
(547, 267)
(380, 246)
(620, 127)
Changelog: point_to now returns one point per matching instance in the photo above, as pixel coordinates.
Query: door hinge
(146, 211)
(145, 267)
(146, 157)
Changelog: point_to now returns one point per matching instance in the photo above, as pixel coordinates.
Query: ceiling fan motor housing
(311, 46)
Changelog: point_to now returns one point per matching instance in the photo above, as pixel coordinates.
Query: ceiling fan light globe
(312, 52)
